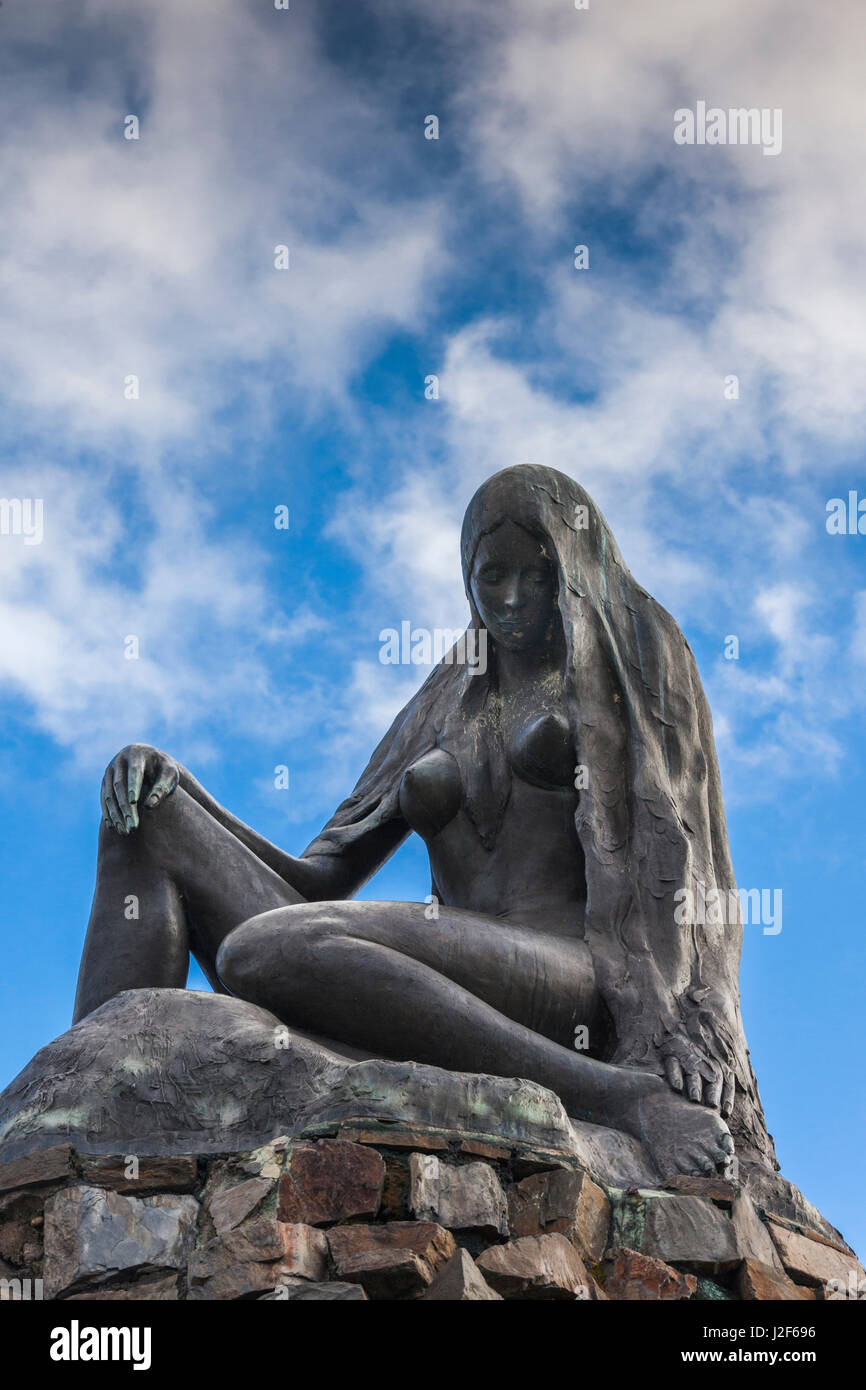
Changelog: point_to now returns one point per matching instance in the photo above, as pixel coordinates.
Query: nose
(511, 595)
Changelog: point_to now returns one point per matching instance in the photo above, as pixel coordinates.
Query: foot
(681, 1136)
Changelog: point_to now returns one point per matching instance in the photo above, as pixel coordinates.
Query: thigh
(545, 982)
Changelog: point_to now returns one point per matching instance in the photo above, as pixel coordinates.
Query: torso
(534, 874)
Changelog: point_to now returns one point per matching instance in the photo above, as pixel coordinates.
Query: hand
(138, 774)
(704, 1079)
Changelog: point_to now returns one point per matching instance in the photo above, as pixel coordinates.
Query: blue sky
(305, 387)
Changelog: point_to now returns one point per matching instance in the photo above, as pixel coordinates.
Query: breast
(431, 793)
(543, 752)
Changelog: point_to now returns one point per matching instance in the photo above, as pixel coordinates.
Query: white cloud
(69, 604)
(155, 257)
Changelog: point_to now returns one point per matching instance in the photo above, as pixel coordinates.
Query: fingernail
(152, 800)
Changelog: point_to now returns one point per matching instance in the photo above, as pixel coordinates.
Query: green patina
(629, 1219)
(629, 1213)
(138, 1066)
(35, 1121)
(708, 1291)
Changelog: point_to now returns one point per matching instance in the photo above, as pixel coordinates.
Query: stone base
(183, 1145)
(391, 1214)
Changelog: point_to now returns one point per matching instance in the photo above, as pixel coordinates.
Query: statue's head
(513, 585)
(519, 534)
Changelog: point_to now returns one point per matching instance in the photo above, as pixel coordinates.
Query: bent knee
(278, 942)
(157, 827)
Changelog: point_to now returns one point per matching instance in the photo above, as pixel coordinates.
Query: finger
(674, 1073)
(121, 776)
(109, 804)
(163, 786)
(135, 778)
(728, 1095)
(694, 1086)
(726, 1143)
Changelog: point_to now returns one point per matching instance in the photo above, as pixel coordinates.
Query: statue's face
(514, 586)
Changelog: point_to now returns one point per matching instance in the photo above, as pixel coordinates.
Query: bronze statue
(564, 794)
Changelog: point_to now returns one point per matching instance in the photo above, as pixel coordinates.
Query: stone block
(46, 1165)
(330, 1181)
(676, 1229)
(92, 1235)
(565, 1201)
(153, 1174)
(392, 1137)
(396, 1260)
(460, 1281)
(632, 1277)
(461, 1197)
(757, 1281)
(752, 1238)
(496, 1153)
(543, 1267)
(814, 1261)
(717, 1190)
(230, 1206)
(256, 1257)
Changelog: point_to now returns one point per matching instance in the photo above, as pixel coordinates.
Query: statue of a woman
(564, 794)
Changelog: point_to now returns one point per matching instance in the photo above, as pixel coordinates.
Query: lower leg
(320, 978)
(137, 936)
(376, 998)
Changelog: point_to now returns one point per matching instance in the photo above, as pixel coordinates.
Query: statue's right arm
(317, 877)
(142, 775)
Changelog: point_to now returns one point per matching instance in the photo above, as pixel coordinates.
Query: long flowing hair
(651, 819)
